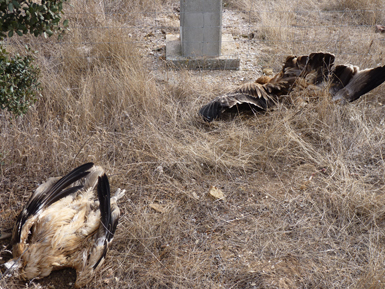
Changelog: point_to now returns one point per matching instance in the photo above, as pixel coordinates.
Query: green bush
(19, 84)
(24, 16)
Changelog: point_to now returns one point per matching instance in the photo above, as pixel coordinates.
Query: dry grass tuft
(367, 12)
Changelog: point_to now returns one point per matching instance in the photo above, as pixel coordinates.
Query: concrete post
(201, 28)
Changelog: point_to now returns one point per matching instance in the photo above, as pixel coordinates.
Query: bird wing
(317, 68)
(349, 83)
(105, 234)
(47, 194)
(250, 93)
(108, 220)
(314, 68)
(261, 94)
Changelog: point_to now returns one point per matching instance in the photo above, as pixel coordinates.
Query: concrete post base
(228, 60)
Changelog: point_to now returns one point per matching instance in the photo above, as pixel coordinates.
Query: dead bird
(346, 83)
(66, 224)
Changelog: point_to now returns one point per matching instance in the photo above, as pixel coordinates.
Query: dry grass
(304, 186)
(367, 12)
(342, 27)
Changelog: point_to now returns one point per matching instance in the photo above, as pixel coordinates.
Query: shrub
(19, 85)
(25, 17)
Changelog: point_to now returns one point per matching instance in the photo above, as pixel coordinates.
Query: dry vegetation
(304, 186)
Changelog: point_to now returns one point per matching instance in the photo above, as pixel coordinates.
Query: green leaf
(10, 7)
(10, 33)
(16, 4)
(19, 85)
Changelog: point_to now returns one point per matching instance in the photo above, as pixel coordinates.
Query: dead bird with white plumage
(68, 222)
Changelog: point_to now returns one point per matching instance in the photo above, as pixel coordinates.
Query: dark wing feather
(108, 228)
(353, 83)
(40, 201)
(212, 110)
(62, 194)
(255, 94)
(104, 204)
(252, 93)
(346, 82)
(314, 68)
(292, 67)
(50, 195)
(318, 67)
(340, 77)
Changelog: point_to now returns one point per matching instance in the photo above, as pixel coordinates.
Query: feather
(104, 204)
(354, 82)
(57, 230)
(109, 225)
(346, 82)
(51, 193)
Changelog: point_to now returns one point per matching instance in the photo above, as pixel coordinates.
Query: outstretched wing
(250, 93)
(349, 83)
(47, 194)
(261, 94)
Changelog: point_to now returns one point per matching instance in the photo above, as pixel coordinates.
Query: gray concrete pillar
(201, 28)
